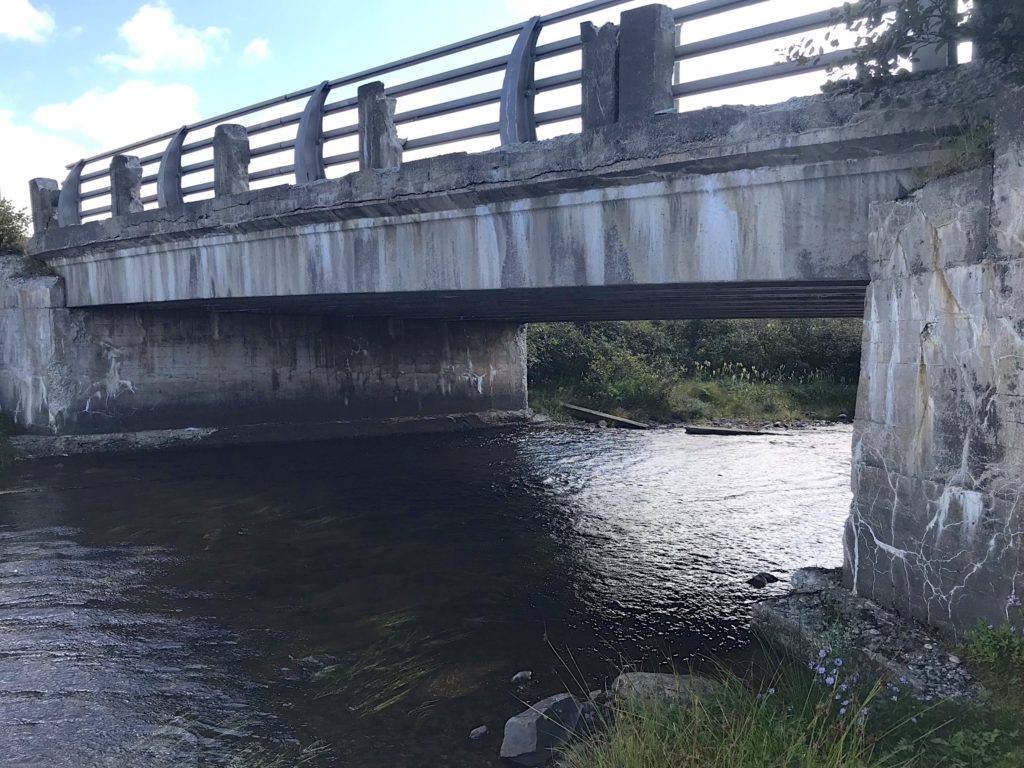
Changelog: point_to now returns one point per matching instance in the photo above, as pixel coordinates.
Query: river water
(366, 602)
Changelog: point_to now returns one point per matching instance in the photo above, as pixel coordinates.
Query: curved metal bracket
(309, 142)
(69, 211)
(516, 121)
(168, 178)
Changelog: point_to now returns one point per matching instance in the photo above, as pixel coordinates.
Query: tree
(13, 227)
(886, 40)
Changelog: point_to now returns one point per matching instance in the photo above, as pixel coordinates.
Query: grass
(971, 149)
(379, 676)
(698, 400)
(995, 653)
(795, 719)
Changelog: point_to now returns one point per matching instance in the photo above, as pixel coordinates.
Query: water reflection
(377, 595)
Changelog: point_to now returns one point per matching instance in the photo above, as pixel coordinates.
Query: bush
(996, 652)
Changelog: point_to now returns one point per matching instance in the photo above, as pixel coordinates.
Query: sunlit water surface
(368, 601)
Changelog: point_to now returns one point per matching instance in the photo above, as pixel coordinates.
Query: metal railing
(468, 93)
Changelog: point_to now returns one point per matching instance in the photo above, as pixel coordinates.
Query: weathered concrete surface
(111, 370)
(231, 156)
(599, 103)
(709, 199)
(938, 469)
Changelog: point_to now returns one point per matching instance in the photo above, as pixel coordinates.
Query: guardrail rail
(497, 88)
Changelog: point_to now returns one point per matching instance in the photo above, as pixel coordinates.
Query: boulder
(762, 580)
(673, 688)
(532, 736)
(806, 581)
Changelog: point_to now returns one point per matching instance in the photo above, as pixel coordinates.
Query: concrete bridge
(398, 293)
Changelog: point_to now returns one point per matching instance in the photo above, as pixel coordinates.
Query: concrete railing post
(231, 155)
(599, 104)
(168, 178)
(309, 141)
(647, 47)
(69, 208)
(379, 145)
(125, 185)
(516, 122)
(44, 195)
(937, 55)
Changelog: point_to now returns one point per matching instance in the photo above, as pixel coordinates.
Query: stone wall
(938, 456)
(117, 369)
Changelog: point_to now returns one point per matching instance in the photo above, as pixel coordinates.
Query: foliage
(996, 652)
(261, 757)
(381, 675)
(972, 148)
(824, 716)
(699, 369)
(886, 41)
(13, 227)
(728, 728)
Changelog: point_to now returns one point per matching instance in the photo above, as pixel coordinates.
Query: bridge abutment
(937, 520)
(87, 371)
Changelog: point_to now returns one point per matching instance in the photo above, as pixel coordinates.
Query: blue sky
(80, 76)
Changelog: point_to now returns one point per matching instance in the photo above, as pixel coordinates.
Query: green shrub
(13, 227)
(996, 652)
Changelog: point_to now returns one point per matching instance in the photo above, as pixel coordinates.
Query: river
(366, 602)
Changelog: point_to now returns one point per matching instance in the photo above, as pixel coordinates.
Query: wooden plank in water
(586, 414)
(692, 429)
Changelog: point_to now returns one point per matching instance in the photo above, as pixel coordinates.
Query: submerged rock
(531, 737)
(522, 678)
(479, 732)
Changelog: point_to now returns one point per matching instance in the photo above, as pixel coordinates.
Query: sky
(81, 76)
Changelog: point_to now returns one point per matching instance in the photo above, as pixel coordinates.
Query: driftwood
(595, 417)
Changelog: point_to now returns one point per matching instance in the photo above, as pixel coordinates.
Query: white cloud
(22, 21)
(134, 110)
(158, 42)
(257, 50)
(39, 154)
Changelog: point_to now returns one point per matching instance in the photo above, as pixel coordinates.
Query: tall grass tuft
(729, 728)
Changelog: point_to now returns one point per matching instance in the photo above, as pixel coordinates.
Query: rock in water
(762, 580)
(522, 678)
(532, 736)
(478, 733)
(675, 688)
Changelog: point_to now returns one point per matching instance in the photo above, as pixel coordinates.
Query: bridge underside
(533, 305)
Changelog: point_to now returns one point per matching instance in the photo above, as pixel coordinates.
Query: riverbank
(841, 683)
(796, 717)
(698, 371)
(718, 400)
